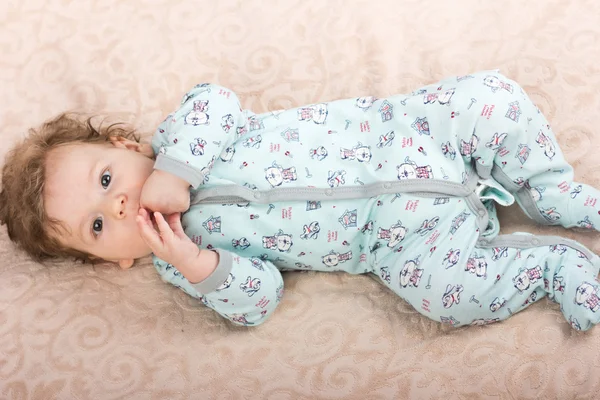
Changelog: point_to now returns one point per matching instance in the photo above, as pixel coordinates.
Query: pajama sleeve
(245, 291)
(188, 141)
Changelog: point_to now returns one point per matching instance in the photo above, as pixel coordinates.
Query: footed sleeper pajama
(403, 187)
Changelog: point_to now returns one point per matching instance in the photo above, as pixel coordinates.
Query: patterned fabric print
(438, 130)
(341, 143)
(512, 134)
(248, 294)
(486, 285)
(306, 235)
(342, 235)
(412, 260)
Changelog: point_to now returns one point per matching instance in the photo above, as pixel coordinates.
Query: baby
(403, 187)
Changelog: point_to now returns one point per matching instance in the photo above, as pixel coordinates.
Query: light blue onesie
(403, 187)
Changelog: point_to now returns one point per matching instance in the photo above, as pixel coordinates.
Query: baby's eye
(105, 179)
(97, 226)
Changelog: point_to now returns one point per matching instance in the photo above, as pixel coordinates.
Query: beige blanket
(79, 332)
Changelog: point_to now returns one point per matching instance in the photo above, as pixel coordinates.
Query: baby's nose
(120, 206)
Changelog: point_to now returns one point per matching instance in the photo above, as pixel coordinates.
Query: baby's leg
(500, 278)
(527, 267)
(514, 143)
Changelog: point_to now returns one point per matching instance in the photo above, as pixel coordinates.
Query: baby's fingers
(149, 234)
(144, 215)
(142, 218)
(174, 221)
(165, 230)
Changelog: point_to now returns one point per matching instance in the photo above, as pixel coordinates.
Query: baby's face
(94, 189)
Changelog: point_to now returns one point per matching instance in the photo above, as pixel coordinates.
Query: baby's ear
(123, 143)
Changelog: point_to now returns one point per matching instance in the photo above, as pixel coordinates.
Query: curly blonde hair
(24, 177)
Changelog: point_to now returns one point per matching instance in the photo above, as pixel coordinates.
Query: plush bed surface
(72, 331)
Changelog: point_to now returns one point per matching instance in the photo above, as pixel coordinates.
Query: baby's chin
(135, 259)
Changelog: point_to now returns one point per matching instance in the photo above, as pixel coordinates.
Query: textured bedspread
(71, 331)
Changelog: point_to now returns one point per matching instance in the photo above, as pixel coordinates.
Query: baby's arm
(245, 291)
(188, 141)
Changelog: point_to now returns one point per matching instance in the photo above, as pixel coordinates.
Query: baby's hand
(165, 193)
(170, 243)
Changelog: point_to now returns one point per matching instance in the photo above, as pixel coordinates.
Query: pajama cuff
(218, 276)
(180, 169)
